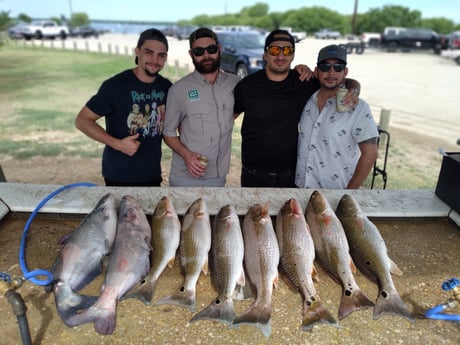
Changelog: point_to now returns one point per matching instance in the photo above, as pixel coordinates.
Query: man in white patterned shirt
(336, 150)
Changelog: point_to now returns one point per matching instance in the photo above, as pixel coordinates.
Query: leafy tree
(440, 25)
(79, 19)
(5, 20)
(24, 18)
(256, 11)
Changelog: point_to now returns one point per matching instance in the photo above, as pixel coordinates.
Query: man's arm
(86, 122)
(369, 153)
(191, 159)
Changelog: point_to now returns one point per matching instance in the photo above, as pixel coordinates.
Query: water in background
(129, 27)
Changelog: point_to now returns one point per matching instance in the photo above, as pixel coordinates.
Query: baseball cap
(151, 34)
(279, 35)
(202, 33)
(332, 51)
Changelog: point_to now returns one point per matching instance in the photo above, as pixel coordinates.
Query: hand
(129, 145)
(305, 73)
(195, 167)
(351, 99)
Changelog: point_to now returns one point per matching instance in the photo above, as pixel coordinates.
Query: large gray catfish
(297, 253)
(332, 251)
(129, 263)
(226, 265)
(195, 243)
(261, 258)
(165, 242)
(369, 253)
(79, 261)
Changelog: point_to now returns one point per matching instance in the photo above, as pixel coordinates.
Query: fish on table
(226, 265)
(166, 229)
(297, 254)
(332, 252)
(369, 253)
(129, 263)
(261, 258)
(195, 243)
(79, 261)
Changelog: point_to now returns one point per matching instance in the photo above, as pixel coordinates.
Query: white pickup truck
(298, 36)
(45, 29)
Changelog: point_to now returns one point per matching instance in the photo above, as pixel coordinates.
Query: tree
(79, 19)
(24, 18)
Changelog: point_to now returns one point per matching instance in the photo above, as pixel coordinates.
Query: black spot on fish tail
(314, 313)
(218, 310)
(351, 302)
(391, 303)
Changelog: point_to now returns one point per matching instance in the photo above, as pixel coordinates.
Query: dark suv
(242, 51)
(407, 39)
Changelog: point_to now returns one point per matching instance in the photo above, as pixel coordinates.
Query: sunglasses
(199, 51)
(326, 66)
(276, 50)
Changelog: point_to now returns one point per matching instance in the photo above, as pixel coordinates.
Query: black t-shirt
(271, 116)
(131, 106)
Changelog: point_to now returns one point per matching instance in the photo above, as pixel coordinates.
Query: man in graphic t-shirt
(132, 152)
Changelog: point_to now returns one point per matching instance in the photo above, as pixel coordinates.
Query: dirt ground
(426, 251)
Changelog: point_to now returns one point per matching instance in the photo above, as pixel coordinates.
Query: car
(370, 39)
(45, 29)
(241, 52)
(407, 39)
(327, 34)
(16, 32)
(183, 32)
(84, 31)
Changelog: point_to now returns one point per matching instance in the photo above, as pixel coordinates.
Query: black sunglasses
(199, 51)
(326, 66)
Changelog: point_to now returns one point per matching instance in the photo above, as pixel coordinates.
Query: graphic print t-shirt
(131, 106)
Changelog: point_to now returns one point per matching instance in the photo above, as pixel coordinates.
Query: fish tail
(353, 301)
(103, 316)
(258, 315)
(391, 303)
(142, 291)
(68, 303)
(316, 313)
(220, 310)
(184, 298)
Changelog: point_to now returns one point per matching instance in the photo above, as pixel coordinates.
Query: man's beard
(201, 67)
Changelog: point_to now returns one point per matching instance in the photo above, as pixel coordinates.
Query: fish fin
(352, 266)
(218, 310)
(353, 301)
(275, 281)
(68, 302)
(205, 267)
(171, 262)
(391, 303)
(242, 279)
(142, 291)
(258, 316)
(315, 274)
(104, 318)
(315, 312)
(183, 298)
(242, 292)
(394, 269)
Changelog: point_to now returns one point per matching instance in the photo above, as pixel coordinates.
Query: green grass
(42, 90)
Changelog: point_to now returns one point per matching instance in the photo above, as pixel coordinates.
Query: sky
(173, 10)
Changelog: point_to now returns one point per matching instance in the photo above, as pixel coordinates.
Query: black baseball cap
(202, 33)
(151, 34)
(279, 35)
(332, 51)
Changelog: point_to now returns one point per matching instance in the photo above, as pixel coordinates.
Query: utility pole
(70, 8)
(353, 19)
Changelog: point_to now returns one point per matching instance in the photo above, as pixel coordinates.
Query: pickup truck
(407, 39)
(327, 34)
(298, 36)
(45, 29)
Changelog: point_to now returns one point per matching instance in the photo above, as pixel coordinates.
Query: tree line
(307, 19)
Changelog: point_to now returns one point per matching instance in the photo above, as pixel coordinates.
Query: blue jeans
(255, 178)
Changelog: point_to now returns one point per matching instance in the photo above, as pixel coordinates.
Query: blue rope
(34, 275)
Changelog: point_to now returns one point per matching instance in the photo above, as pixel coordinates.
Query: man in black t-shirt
(272, 101)
(133, 104)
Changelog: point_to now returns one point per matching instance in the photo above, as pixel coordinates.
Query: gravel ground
(426, 251)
